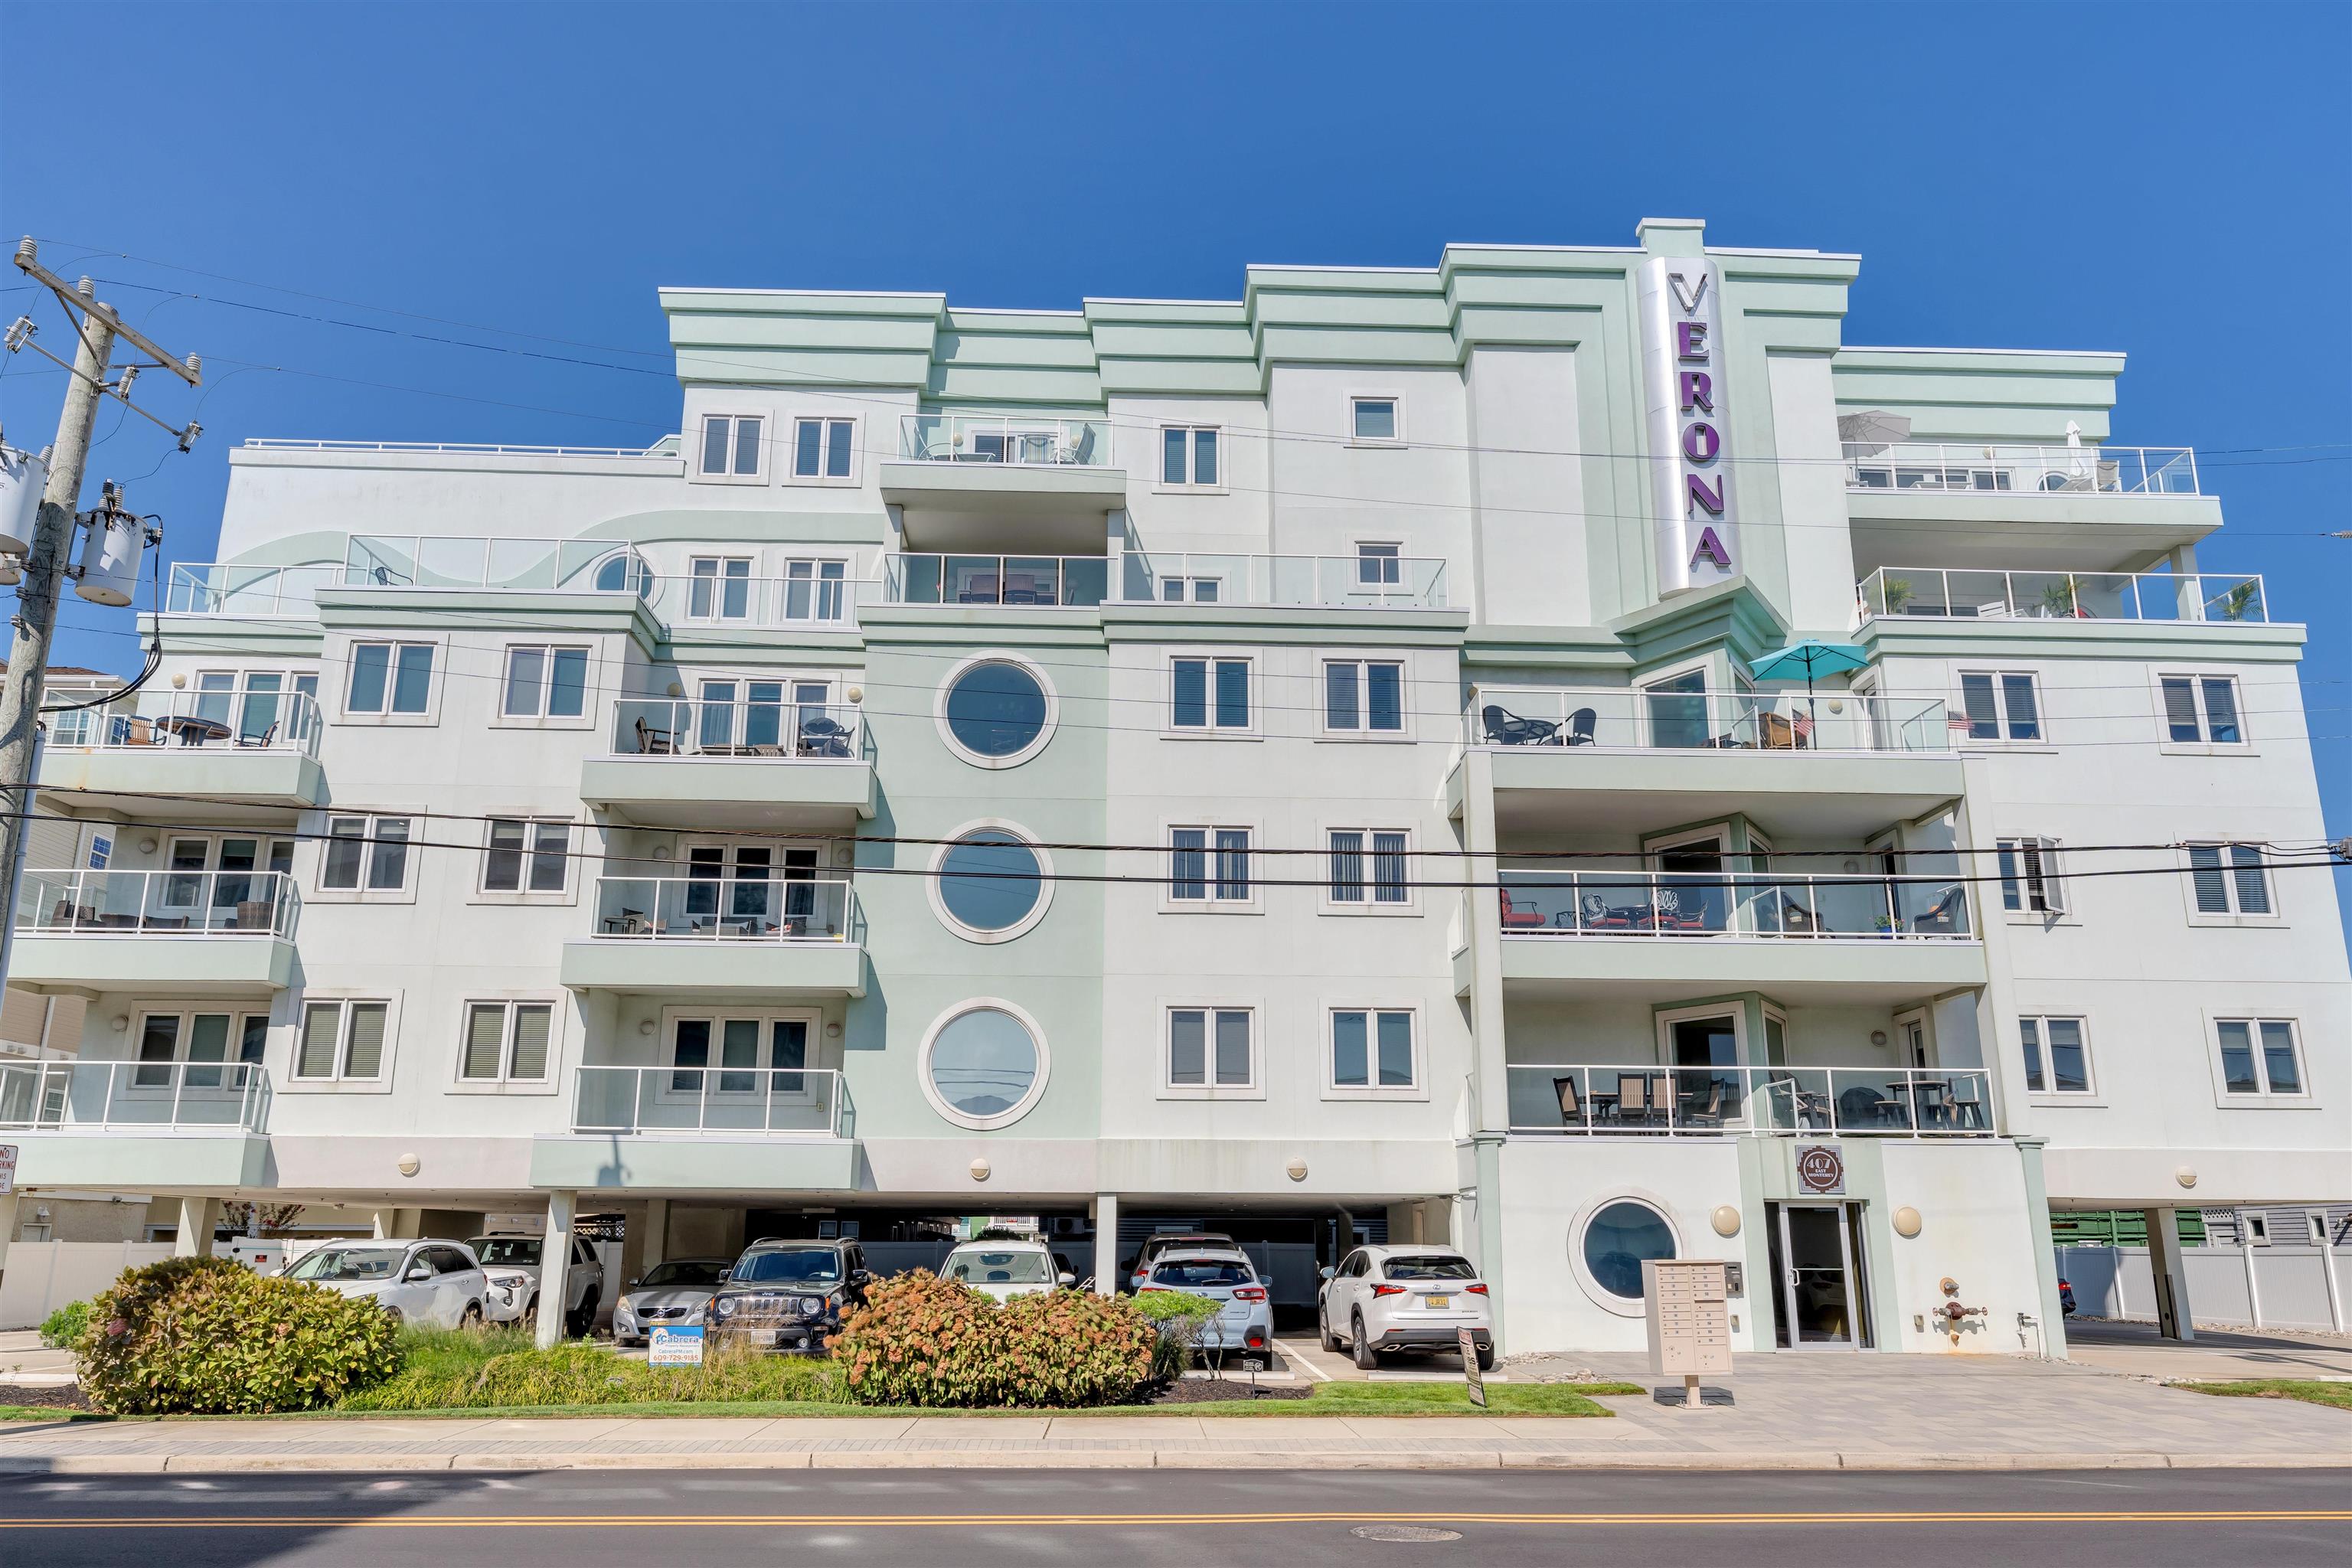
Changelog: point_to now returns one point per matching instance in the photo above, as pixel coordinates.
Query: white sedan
(431, 1282)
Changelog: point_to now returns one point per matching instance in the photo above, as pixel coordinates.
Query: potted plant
(2058, 598)
(1896, 591)
(2240, 602)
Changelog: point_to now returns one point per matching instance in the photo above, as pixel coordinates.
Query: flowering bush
(922, 1340)
(208, 1336)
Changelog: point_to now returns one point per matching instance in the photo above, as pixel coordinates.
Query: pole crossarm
(191, 370)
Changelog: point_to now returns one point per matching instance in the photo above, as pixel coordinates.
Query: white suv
(512, 1263)
(1404, 1298)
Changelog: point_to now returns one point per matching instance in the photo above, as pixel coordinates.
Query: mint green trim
(694, 1164)
(1593, 648)
(2220, 642)
(1146, 623)
(275, 637)
(1731, 616)
(252, 775)
(1903, 786)
(556, 611)
(168, 1162)
(178, 965)
(938, 484)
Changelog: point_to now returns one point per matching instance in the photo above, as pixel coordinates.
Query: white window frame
(1372, 1090)
(1664, 1020)
(2025, 861)
(542, 719)
(719, 581)
(1189, 484)
(2230, 870)
(525, 894)
(665, 1069)
(405, 893)
(854, 477)
(2266, 1098)
(1030, 666)
(1254, 1088)
(92, 722)
(1971, 741)
(2243, 746)
(1396, 399)
(505, 1082)
(698, 474)
(2049, 1093)
(1027, 1103)
(1210, 903)
(1366, 905)
(1019, 927)
(340, 1081)
(183, 1014)
(1393, 561)
(818, 583)
(1212, 730)
(434, 684)
(1326, 729)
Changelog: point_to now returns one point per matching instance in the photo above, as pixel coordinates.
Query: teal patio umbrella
(1810, 659)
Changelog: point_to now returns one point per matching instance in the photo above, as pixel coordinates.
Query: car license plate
(1438, 1302)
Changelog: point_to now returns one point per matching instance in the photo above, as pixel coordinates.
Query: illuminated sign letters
(1691, 493)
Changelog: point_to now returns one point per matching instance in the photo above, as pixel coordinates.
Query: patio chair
(1944, 917)
(1636, 1101)
(1571, 1104)
(823, 737)
(1580, 725)
(979, 589)
(1864, 1107)
(652, 742)
(1671, 916)
(628, 923)
(1518, 919)
(1020, 588)
(1705, 1109)
(262, 740)
(1594, 909)
(1508, 728)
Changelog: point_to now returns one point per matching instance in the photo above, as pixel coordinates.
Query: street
(2279, 1518)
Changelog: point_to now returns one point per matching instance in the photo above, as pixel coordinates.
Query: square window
(1189, 456)
(2260, 1057)
(1382, 884)
(2001, 705)
(2057, 1056)
(343, 1040)
(718, 588)
(732, 446)
(1380, 565)
(1373, 1049)
(545, 683)
(365, 855)
(1210, 1049)
(1208, 865)
(1363, 696)
(1210, 694)
(386, 679)
(2202, 709)
(1373, 419)
(2230, 881)
(505, 1041)
(821, 449)
(527, 856)
(814, 590)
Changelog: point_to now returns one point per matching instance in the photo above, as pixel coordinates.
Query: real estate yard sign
(1477, 1379)
(675, 1347)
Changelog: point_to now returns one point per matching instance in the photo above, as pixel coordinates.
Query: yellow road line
(1013, 1521)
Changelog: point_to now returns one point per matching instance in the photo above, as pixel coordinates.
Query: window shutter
(532, 1024)
(316, 1057)
(485, 1035)
(2180, 710)
(2205, 875)
(364, 1056)
(2254, 886)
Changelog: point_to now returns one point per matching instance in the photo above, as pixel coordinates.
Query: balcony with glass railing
(1004, 440)
(1649, 1100)
(407, 561)
(734, 932)
(760, 759)
(1687, 719)
(191, 1096)
(733, 1096)
(2206, 597)
(1340, 582)
(256, 717)
(1014, 581)
(194, 931)
(2021, 469)
(1694, 905)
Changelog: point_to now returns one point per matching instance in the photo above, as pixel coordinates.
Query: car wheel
(578, 1324)
(1323, 1334)
(392, 1312)
(1361, 1343)
(1486, 1358)
(529, 1318)
(472, 1316)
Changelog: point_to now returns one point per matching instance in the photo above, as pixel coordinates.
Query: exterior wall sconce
(1907, 1223)
(979, 1170)
(1726, 1220)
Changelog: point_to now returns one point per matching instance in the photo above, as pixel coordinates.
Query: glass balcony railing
(1012, 580)
(2003, 467)
(1703, 903)
(156, 903)
(1004, 438)
(430, 561)
(723, 1097)
(1650, 1101)
(1686, 719)
(739, 908)
(249, 720)
(657, 726)
(2062, 595)
(134, 1097)
(1378, 582)
(236, 588)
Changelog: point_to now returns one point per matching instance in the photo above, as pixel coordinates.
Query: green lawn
(2311, 1391)
(47, 1413)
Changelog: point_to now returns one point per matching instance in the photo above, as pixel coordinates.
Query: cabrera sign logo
(1691, 487)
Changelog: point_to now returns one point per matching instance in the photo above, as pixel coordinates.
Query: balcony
(1937, 592)
(1350, 582)
(442, 561)
(2003, 468)
(150, 1124)
(718, 1129)
(761, 763)
(1646, 1100)
(194, 932)
(257, 748)
(1026, 581)
(819, 596)
(2051, 507)
(961, 478)
(734, 936)
(1622, 717)
(1004, 440)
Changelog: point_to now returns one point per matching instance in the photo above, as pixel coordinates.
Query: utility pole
(96, 326)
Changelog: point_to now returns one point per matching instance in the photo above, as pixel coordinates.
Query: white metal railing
(244, 588)
(719, 599)
(1012, 580)
(1668, 904)
(1409, 582)
(1997, 467)
(469, 560)
(808, 731)
(156, 903)
(721, 1096)
(2062, 595)
(666, 446)
(735, 907)
(1633, 719)
(1649, 1099)
(1004, 438)
(143, 1096)
(227, 720)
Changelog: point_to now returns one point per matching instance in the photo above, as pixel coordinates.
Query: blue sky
(2161, 180)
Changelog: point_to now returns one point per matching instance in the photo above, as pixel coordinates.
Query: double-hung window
(1208, 865)
(1212, 1049)
(730, 446)
(2259, 1057)
(527, 856)
(1363, 696)
(365, 855)
(822, 451)
(2202, 709)
(718, 588)
(2029, 880)
(1368, 869)
(544, 683)
(1372, 1050)
(1188, 456)
(2057, 1056)
(2230, 881)
(394, 678)
(506, 1042)
(813, 589)
(2001, 705)
(343, 1040)
(1209, 694)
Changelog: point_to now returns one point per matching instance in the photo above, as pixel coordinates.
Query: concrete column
(555, 1267)
(197, 1218)
(397, 1225)
(2173, 1320)
(2052, 1313)
(2246, 1258)
(2326, 1269)
(8, 1234)
(655, 1247)
(1106, 1215)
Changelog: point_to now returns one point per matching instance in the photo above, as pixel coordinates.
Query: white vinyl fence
(43, 1276)
(2287, 1287)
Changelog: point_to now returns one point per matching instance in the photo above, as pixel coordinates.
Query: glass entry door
(1818, 1273)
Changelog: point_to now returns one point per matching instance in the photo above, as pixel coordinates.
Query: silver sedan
(671, 1294)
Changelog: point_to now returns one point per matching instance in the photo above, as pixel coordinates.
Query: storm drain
(1405, 1532)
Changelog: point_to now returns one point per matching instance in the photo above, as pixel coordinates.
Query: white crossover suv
(512, 1262)
(1404, 1298)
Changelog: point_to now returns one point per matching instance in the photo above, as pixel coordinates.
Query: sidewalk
(1791, 1413)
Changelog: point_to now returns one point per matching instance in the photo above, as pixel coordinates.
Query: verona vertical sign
(1682, 363)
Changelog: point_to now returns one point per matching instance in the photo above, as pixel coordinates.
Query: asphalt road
(979, 1519)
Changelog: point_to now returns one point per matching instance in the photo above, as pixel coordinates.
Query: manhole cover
(1405, 1532)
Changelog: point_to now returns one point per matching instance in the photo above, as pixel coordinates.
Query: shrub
(208, 1336)
(920, 1340)
(475, 1369)
(1180, 1316)
(63, 1329)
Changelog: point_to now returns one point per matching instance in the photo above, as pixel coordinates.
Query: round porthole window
(985, 1065)
(996, 712)
(1618, 1238)
(989, 883)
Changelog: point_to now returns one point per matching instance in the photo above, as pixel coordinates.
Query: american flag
(1802, 724)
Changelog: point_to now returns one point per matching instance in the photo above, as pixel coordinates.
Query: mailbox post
(1687, 1308)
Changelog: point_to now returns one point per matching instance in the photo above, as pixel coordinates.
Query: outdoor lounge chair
(1517, 919)
(1508, 728)
(1944, 917)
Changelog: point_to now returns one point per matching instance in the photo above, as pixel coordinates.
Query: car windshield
(1008, 1268)
(701, 1272)
(330, 1263)
(521, 1251)
(1430, 1265)
(1192, 1273)
(799, 1264)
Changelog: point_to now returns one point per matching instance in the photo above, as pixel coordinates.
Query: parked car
(432, 1282)
(1246, 1321)
(1153, 1245)
(512, 1261)
(1404, 1298)
(672, 1293)
(1006, 1268)
(788, 1295)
